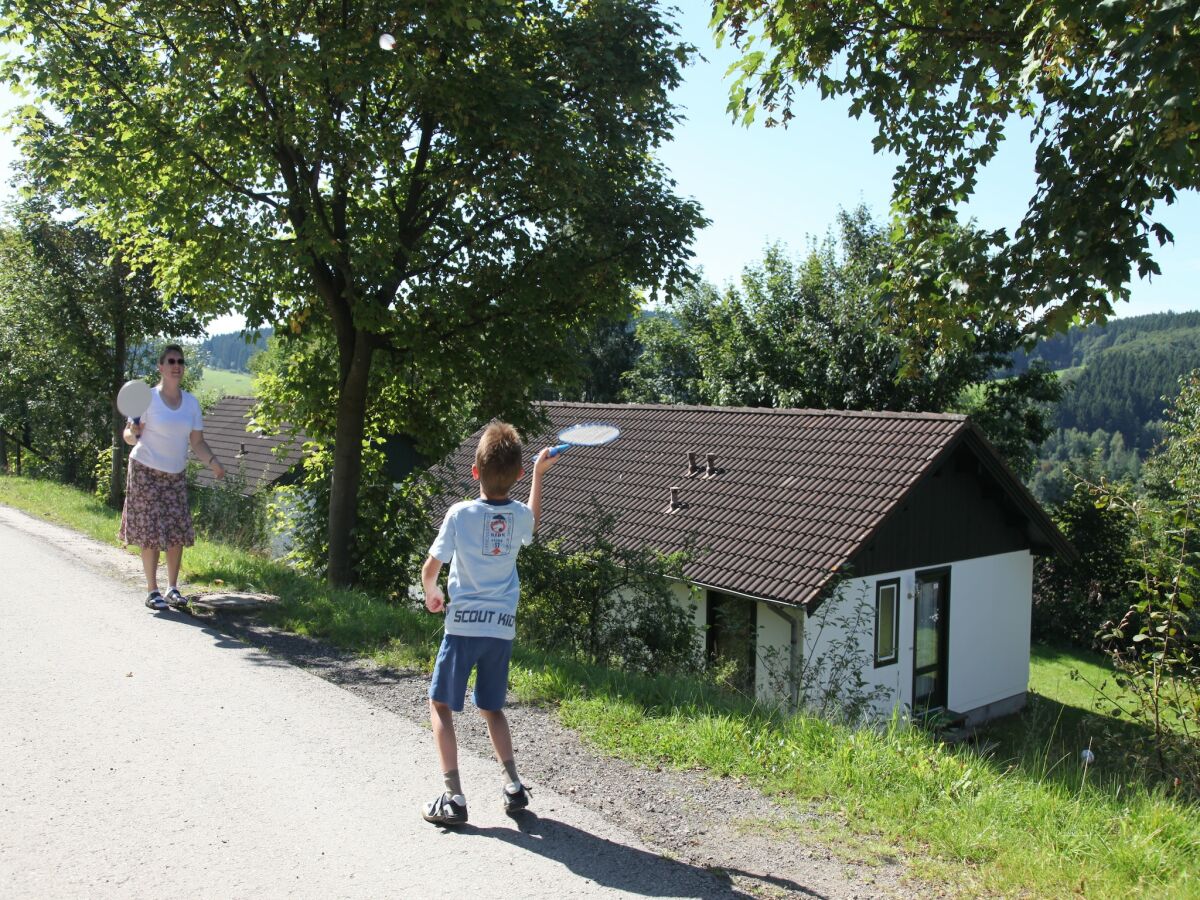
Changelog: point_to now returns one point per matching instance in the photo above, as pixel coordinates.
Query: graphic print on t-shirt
(497, 534)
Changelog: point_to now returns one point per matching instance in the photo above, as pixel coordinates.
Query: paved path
(149, 755)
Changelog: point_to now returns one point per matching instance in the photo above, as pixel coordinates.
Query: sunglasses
(173, 361)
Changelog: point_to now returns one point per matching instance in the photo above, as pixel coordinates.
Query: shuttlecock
(387, 42)
(1086, 756)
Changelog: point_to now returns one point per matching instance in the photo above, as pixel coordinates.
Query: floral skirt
(156, 514)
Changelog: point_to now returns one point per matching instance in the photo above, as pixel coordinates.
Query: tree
(665, 366)
(602, 355)
(1154, 648)
(77, 323)
(457, 205)
(1106, 90)
(1076, 601)
(1014, 412)
(821, 333)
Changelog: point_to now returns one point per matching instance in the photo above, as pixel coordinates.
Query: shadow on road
(614, 865)
(223, 638)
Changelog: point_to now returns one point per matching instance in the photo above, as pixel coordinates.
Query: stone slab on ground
(230, 603)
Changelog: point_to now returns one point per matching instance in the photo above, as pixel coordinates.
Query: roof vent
(241, 450)
(710, 468)
(676, 504)
(693, 466)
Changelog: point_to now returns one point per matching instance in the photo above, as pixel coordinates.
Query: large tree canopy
(1107, 92)
(459, 203)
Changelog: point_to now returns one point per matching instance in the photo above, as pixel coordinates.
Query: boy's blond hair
(498, 458)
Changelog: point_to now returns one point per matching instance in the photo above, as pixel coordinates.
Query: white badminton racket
(134, 399)
(585, 434)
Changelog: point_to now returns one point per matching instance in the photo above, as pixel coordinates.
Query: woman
(156, 515)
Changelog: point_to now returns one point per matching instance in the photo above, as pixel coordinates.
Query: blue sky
(762, 185)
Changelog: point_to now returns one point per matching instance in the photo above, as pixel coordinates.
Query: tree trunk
(347, 461)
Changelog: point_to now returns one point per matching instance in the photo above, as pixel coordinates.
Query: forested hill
(233, 351)
(1064, 351)
(1119, 373)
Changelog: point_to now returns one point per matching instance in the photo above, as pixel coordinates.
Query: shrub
(102, 472)
(225, 512)
(830, 683)
(393, 531)
(1154, 647)
(1072, 601)
(606, 605)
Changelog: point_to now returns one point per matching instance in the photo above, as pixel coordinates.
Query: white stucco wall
(990, 606)
(828, 627)
(773, 652)
(991, 601)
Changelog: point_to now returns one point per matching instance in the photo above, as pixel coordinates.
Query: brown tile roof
(796, 493)
(245, 453)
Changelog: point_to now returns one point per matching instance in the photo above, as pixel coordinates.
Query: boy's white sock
(513, 787)
(510, 769)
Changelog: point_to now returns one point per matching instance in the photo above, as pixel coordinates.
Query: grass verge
(1022, 818)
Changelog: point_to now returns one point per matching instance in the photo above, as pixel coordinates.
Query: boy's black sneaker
(518, 801)
(154, 600)
(446, 811)
(176, 600)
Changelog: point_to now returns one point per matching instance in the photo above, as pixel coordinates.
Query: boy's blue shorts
(460, 653)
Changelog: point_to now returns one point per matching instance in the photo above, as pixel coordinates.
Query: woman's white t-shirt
(166, 432)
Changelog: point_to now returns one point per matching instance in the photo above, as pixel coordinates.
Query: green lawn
(222, 383)
(1014, 815)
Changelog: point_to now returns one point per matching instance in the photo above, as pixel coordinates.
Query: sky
(762, 185)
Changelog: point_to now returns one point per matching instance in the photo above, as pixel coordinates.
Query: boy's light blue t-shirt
(480, 539)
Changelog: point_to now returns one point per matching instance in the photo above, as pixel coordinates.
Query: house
(896, 543)
(253, 460)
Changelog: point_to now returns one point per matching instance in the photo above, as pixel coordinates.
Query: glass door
(932, 619)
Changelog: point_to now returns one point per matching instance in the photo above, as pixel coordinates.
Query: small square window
(887, 616)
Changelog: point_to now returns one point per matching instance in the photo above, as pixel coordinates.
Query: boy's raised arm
(543, 462)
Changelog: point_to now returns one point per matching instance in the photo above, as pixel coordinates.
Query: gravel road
(168, 755)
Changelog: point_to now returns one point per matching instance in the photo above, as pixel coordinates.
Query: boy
(480, 539)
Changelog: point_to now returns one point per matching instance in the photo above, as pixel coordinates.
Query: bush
(102, 472)
(393, 531)
(605, 605)
(1154, 647)
(1072, 601)
(224, 512)
(830, 683)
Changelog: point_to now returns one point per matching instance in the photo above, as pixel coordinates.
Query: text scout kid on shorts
(480, 539)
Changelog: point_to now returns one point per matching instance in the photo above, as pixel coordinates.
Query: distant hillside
(1064, 351)
(1116, 378)
(233, 351)
(1121, 388)
(1120, 372)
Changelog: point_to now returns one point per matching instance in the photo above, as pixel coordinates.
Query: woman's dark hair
(167, 349)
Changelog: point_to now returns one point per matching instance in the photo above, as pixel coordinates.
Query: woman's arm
(205, 455)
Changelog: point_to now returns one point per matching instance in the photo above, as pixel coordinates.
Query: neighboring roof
(249, 455)
(797, 492)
